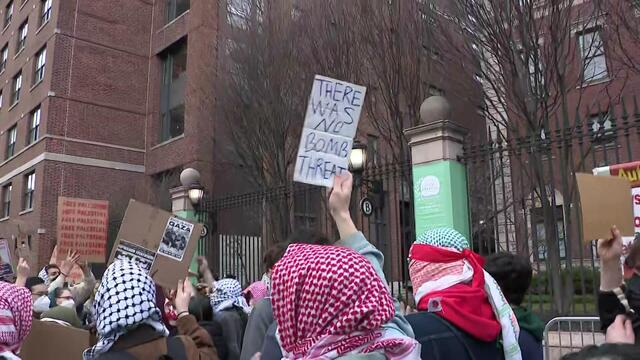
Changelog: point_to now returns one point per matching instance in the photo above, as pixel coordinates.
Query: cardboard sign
(604, 201)
(82, 227)
(48, 340)
(158, 241)
(6, 261)
(330, 124)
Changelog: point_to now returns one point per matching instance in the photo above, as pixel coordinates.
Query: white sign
(331, 122)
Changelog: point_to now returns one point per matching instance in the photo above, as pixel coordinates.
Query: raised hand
(67, 264)
(611, 249)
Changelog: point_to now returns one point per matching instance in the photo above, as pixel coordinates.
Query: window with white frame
(41, 57)
(22, 36)
(29, 191)
(34, 126)
(6, 200)
(16, 88)
(601, 128)
(594, 62)
(12, 136)
(4, 56)
(8, 13)
(45, 11)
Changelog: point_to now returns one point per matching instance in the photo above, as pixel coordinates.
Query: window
(594, 62)
(15, 89)
(535, 68)
(174, 66)
(373, 152)
(39, 64)
(29, 190)
(8, 13)
(6, 200)
(601, 128)
(22, 36)
(238, 13)
(45, 11)
(12, 135)
(176, 8)
(3, 58)
(34, 126)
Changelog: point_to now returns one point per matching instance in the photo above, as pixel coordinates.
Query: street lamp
(196, 193)
(190, 178)
(358, 158)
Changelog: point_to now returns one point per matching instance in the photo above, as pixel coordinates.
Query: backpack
(175, 351)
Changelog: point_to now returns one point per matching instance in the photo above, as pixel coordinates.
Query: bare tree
(623, 20)
(534, 73)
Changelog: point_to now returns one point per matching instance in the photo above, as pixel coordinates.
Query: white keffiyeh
(227, 294)
(124, 301)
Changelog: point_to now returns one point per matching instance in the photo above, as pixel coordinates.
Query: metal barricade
(563, 335)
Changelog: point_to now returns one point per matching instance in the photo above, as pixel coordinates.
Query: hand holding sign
(610, 249)
(340, 195)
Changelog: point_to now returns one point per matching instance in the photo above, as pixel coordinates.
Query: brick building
(93, 102)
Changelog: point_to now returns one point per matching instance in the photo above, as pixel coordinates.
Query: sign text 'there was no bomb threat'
(330, 124)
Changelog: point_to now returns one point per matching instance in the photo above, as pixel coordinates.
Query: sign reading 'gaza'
(330, 124)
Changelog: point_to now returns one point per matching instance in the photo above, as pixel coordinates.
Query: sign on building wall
(331, 122)
(440, 197)
(82, 226)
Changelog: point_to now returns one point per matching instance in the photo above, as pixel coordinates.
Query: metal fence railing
(563, 335)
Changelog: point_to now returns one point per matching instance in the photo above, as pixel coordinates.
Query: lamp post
(357, 161)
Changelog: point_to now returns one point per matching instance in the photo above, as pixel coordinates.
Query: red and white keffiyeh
(15, 316)
(328, 301)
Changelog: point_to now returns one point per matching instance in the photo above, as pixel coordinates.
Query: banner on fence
(330, 125)
(631, 172)
(159, 242)
(440, 197)
(82, 227)
(604, 201)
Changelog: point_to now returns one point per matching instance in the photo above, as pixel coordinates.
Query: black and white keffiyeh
(227, 294)
(124, 301)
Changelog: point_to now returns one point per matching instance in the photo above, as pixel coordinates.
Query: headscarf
(227, 294)
(124, 301)
(15, 316)
(448, 279)
(329, 302)
(258, 291)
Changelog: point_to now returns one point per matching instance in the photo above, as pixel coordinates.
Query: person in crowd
(87, 315)
(129, 324)
(329, 303)
(49, 273)
(15, 316)
(350, 237)
(617, 297)
(453, 292)
(39, 295)
(80, 292)
(230, 309)
(62, 296)
(200, 307)
(513, 273)
(62, 315)
(619, 344)
(255, 292)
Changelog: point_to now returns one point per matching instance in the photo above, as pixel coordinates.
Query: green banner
(440, 197)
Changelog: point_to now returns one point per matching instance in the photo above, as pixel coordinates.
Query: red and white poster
(82, 227)
(631, 172)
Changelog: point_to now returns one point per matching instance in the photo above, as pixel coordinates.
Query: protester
(616, 297)
(255, 292)
(49, 273)
(62, 297)
(329, 303)
(620, 344)
(15, 318)
(448, 281)
(129, 324)
(513, 273)
(62, 315)
(39, 295)
(81, 291)
(230, 309)
(200, 307)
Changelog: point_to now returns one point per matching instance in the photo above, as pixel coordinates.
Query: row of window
(32, 134)
(29, 187)
(38, 74)
(45, 14)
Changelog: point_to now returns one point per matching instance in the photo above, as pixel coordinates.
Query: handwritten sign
(331, 122)
(82, 227)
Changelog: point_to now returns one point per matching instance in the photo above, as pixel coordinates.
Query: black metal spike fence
(522, 199)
